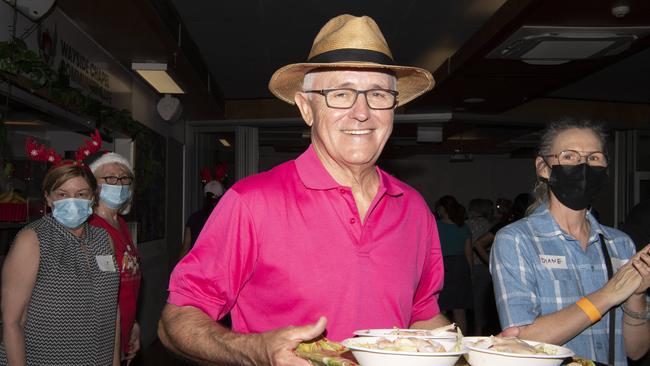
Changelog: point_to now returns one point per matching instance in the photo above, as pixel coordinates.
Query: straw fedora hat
(353, 42)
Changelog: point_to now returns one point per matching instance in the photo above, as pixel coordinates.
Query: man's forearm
(192, 334)
(433, 323)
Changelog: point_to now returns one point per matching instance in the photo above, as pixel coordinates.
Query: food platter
(364, 352)
(416, 333)
(479, 354)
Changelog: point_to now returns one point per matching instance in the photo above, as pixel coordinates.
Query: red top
(126, 256)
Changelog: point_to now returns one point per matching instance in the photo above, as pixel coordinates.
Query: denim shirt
(539, 269)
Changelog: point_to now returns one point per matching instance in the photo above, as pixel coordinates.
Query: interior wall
(488, 176)
(434, 176)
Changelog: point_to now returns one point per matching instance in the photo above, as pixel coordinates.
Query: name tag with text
(553, 261)
(105, 263)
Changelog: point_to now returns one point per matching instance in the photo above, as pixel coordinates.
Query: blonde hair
(58, 175)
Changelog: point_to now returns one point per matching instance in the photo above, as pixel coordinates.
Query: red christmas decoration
(220, 173)
(206, 176)
(39, 152)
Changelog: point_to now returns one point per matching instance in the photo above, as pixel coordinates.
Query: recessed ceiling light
(158, 76)
(473, 100)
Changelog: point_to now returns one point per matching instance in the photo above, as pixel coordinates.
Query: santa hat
(109, 158)
(213, 187)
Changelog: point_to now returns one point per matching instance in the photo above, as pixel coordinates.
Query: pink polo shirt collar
(313, 175)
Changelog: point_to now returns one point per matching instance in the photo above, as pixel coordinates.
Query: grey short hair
(541, 191)
(308, 80)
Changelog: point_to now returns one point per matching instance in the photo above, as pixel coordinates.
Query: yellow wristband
(589, 309)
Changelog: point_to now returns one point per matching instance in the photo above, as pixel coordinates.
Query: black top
(637, 224)
(196, 222)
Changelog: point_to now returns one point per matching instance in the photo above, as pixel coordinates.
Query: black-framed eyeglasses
(344, 98)
(572, 157)
(124, 180)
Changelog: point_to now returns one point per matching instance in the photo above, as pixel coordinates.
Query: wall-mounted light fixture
(224, 142)
(157, 76)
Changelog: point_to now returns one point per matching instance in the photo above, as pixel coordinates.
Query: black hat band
(352, 55)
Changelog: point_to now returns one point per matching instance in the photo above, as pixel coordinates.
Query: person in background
(327, 242)
(637, 224)
(115, 177)
(59, 281)
(480, 216)
(551, 269)
(479, 222)
(456, 244)
(213, 190)
(503, 217)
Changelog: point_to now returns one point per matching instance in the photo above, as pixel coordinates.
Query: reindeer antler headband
(39, 152)
(220, 173)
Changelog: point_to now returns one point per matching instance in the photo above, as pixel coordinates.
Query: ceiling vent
(539, 45)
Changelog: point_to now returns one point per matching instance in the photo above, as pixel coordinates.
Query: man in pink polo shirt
(324, 244)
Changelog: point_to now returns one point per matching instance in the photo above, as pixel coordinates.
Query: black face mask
(576, 186)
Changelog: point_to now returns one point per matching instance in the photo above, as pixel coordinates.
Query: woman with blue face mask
(60, 281)
(115, 178)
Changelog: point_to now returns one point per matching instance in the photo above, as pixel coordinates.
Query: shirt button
(342, 190)
(353, 220)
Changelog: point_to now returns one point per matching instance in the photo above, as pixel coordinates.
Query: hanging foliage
(19, 64)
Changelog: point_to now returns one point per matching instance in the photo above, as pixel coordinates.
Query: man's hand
(279, 345)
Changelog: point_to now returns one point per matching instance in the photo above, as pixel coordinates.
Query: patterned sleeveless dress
(71, 314)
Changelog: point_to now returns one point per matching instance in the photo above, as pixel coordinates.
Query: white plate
(478, 356)
(376, 357)
(387, 333)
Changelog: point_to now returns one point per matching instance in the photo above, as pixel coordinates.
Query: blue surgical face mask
(114, 196)
(72, 212)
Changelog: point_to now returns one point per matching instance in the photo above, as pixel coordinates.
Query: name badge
(553, 261)
(618, 263)
(105, 263)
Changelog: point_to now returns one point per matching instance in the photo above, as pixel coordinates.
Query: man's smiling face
(350, 137)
